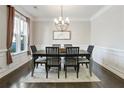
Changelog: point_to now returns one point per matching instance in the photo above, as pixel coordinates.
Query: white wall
(19, 59)
(108, 28)
(107, 33)
(43, 33)
(3, 29)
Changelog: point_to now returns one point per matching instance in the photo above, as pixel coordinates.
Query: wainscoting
(18, 60)
(2, 59)
(111, 59)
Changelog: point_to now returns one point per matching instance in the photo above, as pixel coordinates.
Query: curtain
(10, 28)
(28, 21)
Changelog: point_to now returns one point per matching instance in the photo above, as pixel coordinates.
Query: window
(20, 38)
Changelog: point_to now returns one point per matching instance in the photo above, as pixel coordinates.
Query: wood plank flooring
(108, 80)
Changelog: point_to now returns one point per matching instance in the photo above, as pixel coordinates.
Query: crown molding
(23, 11)
(101, 11)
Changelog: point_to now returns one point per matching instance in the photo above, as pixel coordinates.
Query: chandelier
(62, 23)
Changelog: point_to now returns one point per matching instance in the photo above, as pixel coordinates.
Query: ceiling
(74, 12)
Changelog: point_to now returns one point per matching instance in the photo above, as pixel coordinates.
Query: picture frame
(61, 35)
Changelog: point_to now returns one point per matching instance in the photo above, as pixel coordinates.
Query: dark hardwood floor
(108, 80)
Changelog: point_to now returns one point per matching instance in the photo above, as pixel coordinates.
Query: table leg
(33, 67)
(90, 66)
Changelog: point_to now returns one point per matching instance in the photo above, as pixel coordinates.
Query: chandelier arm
(61, 11)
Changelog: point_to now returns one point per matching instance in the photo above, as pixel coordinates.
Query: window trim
(14, 54)
(18, 37)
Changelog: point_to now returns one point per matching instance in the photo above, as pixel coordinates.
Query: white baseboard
(114, 70)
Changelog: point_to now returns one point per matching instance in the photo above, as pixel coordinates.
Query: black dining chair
(36, 59)
(52, 59)
(56, 45)
(71, 59)
(67, 45)
(86, 60)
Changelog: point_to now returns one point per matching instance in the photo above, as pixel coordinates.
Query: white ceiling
(49, 12)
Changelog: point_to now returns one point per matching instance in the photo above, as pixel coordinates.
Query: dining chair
(52, 59)
(56, 45)
(67, 45)
(71, 59)
(36, 59)
(86, 60)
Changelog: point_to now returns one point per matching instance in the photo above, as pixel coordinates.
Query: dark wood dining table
(42, 53)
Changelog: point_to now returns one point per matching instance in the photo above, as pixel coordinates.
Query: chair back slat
(67, 45)
(52, 50)
(72, 51)
(33, 48)
(90, 49)
(56, 45)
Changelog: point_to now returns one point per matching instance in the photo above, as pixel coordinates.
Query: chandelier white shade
(62, 23)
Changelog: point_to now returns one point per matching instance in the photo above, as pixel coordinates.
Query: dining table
(62, 53)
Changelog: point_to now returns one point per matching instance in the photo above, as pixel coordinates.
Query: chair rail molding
(110, 58)
(3, 50)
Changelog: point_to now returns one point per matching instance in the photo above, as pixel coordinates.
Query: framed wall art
(61, 35)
